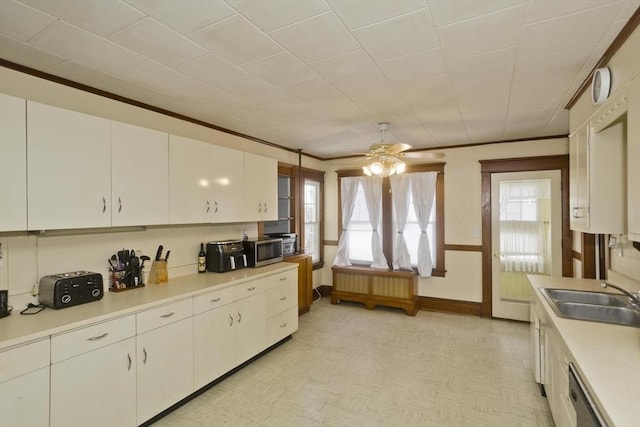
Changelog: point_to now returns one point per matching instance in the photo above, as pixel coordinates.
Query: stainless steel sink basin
(592, 306)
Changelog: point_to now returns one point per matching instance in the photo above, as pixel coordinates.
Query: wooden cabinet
(305, 281)
(261, 188)
(69, 169)
(165, 357)
(13, 163)
(24, 385)
(227, 184)
(189, 180)
(96, 361)
(139, 176)
(597, 179)
(633, 161)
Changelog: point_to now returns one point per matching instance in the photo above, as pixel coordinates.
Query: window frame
(387, 212)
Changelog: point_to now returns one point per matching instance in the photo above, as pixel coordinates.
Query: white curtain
(348, 190)
(525, 243)
(372, 186)
(423, 190)
(400, 187)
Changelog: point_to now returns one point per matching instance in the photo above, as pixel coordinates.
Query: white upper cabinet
(140, 176)
(597, 180)
(633, 161)
(69, 169)
(13, 164)
(189, 181)
(260, 188)
(227, 185)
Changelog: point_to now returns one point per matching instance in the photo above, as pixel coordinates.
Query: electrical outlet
(35, 290)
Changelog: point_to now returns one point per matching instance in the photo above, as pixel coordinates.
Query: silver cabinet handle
(216, 299)
(283, 298)
(239, 317)
(104, 205)
(164, 316)
(265, 207)
(216, 207)
(230, 320)
(259, 207)
(283, 325)
(282, 279)
(129, 359)
(208, 206)
(119, 205)
(253, 288)
(99, 337)
(144, 358)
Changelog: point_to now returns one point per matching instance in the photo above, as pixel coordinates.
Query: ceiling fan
(387, 159)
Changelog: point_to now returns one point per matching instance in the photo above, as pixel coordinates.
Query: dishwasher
(587, 414)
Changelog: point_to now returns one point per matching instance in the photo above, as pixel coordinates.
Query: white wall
(463, 215)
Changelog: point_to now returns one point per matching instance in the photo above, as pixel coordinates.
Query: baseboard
(449, 306)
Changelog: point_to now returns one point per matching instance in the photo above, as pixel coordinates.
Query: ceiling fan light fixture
(366, 170)
(376, 167)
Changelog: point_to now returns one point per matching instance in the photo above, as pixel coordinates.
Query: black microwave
(263, 251)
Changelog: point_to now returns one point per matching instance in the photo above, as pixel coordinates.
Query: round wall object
(600, 85)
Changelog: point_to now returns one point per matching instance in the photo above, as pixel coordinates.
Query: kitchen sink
(592, 306)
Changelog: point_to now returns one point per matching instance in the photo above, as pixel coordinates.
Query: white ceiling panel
(98, 16)
(82, 47)
(447, 12)
(280, 69)
(335, 40)
(150, 38)
(269, 15)
(320, 74)
(236, 40)
(184, 16)
(495, 31)
(400, 36)
(567, 32)
(346, 68)
(358, 13)
(415, 66)
(21, 22)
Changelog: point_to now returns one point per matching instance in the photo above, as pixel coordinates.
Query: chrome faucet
(635, 298)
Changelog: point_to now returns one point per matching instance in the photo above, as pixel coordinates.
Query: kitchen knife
(159, 253)
(166, 257)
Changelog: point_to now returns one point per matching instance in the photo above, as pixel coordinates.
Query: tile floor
(348, 366)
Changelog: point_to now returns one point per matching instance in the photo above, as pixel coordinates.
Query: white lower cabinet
(282, 306)
(165, 358)
(93, 375)
(24, 385)
(213, 345)
(250, 328)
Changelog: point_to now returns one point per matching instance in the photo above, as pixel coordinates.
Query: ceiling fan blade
(423, 155)
(397, 148)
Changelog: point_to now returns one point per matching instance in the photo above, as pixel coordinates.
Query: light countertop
(18, 329)
(607, 356)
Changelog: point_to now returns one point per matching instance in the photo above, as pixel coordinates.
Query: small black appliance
(69, 289)
(225, 256)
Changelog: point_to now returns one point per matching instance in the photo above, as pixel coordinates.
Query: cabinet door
(165, 367)
(633, 162)
(69, 169)
(25, 400)
(13, 163)
(140, 175)
(96, 388)
(213, 344)
(261, 188)
(227, 185)
(189, 186)
(579, 179)
(250, 327)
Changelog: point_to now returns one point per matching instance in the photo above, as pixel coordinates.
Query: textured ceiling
(319, 75)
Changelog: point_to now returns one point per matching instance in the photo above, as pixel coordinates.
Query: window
(360, 231)
(312, 236)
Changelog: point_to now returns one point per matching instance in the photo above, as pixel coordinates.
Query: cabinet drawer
(280, 278)
(24, 359)
(213, 299)
(281, 298)
(83, 340)
(244, 290)
(164, 315)
(281, 325)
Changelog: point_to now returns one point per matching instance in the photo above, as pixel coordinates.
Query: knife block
(158, 273)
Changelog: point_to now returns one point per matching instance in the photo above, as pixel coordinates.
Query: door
(213, 344)
(227, 184)
(526, 224)
(13, 164)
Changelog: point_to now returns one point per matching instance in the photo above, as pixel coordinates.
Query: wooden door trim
(525, 164)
